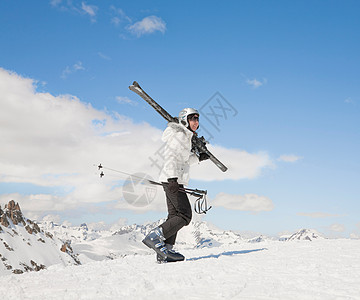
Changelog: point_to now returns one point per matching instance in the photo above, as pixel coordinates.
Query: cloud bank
(240, 163)
(247, 202)
(318, 215)
(56, 142)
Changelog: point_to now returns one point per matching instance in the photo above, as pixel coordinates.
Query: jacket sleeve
(193, 159)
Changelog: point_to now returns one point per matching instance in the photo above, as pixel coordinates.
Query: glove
(173, 185)
(203, 156)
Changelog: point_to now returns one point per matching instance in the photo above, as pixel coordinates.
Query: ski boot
(155, 240)
(172, 256)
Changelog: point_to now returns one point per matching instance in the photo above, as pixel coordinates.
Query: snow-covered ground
(83, 263)
(321, 269)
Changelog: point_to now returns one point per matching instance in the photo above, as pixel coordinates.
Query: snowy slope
(325, 269)
(219, 264)
(98, 245)
(25, 247)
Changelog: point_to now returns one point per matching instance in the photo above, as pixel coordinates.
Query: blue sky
(288, 69)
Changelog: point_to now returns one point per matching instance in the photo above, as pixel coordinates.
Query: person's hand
(203, 156)
(173, 185)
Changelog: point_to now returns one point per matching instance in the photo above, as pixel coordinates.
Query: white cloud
(116, 21)
(337, 227)
(289, 158)
(73, 69)
(125, 100)
(254, 83)
(358, 226)
(105, 226)
(35, 206)
(349, 100)
(84, 9)
(318, 215)
(54, 141)
(356, 233)
(78, 66)
(52, 218)
(148, 25)
(354, 236)
(103, 56)
(55, 2)
(57, 142)
(247, 202)
(90, 10)
(240, 163)
(119, 16)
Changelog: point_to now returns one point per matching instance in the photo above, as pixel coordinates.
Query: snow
(219, 264)
(268, 269)
(20, 250)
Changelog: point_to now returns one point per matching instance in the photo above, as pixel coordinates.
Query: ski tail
(135, 87)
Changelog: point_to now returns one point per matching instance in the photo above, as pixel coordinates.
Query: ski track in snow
(325, 269)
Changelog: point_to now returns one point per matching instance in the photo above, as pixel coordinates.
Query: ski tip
(135, 84)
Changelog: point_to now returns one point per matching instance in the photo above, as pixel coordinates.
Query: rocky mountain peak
(12, 206)
(11, 212)
(25, 247)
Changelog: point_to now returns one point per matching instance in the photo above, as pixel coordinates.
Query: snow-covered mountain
(25, 247)
(72, 233)
(266, 269)
(305, 235)
(98, 245)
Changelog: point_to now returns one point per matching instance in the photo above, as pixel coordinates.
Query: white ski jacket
(178, 155)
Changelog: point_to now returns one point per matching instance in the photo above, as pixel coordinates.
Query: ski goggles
(194, 118)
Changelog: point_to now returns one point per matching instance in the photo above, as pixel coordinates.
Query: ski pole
(200, 205)
(194, 192)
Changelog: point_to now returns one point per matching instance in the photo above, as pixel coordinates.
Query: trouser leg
(171, 240)
(179, 214)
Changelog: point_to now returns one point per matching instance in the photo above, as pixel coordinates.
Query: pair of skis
(198, 143)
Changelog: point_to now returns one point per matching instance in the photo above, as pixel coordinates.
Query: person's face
(194, 122)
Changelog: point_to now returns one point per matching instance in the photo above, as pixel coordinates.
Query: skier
(175, 174)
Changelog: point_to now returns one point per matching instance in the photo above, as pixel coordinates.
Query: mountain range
(26, 245)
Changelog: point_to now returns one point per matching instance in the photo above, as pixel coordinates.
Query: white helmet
(183, 115)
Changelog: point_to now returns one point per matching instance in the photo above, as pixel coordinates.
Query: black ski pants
(179, 214)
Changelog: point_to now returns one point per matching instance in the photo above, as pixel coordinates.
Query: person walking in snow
(174, 175)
